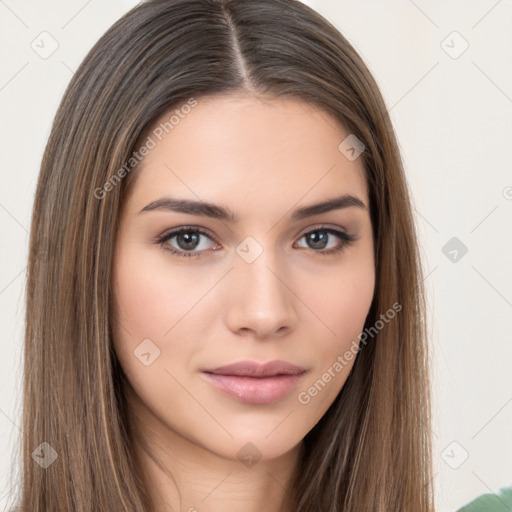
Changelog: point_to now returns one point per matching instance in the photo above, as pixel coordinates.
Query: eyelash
(346, 239)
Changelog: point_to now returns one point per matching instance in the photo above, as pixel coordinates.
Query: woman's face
(259, 274)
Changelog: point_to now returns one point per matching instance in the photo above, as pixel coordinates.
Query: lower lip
(254, 390)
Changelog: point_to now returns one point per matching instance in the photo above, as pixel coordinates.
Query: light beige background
(452, 110)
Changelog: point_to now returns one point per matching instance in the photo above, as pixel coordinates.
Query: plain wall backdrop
(445, 70)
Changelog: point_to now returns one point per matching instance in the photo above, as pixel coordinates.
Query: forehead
(246, 150)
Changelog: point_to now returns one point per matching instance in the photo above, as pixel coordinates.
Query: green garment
(501, 502)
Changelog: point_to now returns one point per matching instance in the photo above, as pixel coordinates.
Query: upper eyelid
(176, 231)
(203, 231)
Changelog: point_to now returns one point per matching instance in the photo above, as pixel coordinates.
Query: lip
(255, 383)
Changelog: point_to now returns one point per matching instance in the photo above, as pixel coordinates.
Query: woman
(225, 305)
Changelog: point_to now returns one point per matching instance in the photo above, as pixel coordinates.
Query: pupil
(187, 241)
(318, 242)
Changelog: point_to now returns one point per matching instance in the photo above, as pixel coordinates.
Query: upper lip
(254, 369)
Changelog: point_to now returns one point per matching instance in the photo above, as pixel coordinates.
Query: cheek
(346, 305)
(138, 308)
(340, 298)
(153, 300)
(149, 300)
(340, 301)
(147, 304)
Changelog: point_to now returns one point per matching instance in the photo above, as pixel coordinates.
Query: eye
(187, 239)
(321, 238)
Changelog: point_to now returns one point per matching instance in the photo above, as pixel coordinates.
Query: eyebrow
(214, 211)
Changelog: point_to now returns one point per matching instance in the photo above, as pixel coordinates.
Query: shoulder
(499, 502)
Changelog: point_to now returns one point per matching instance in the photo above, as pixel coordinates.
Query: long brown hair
(371, 451)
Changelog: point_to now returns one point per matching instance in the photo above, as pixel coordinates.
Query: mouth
(255, 383)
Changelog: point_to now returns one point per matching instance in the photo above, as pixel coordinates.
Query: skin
(262, 159)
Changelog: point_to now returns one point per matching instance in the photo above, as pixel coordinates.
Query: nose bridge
(261, 302)
(260, 279)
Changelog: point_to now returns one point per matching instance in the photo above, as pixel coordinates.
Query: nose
(261, 302)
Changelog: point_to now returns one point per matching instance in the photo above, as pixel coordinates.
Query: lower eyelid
(343, 237)
(173, 249)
